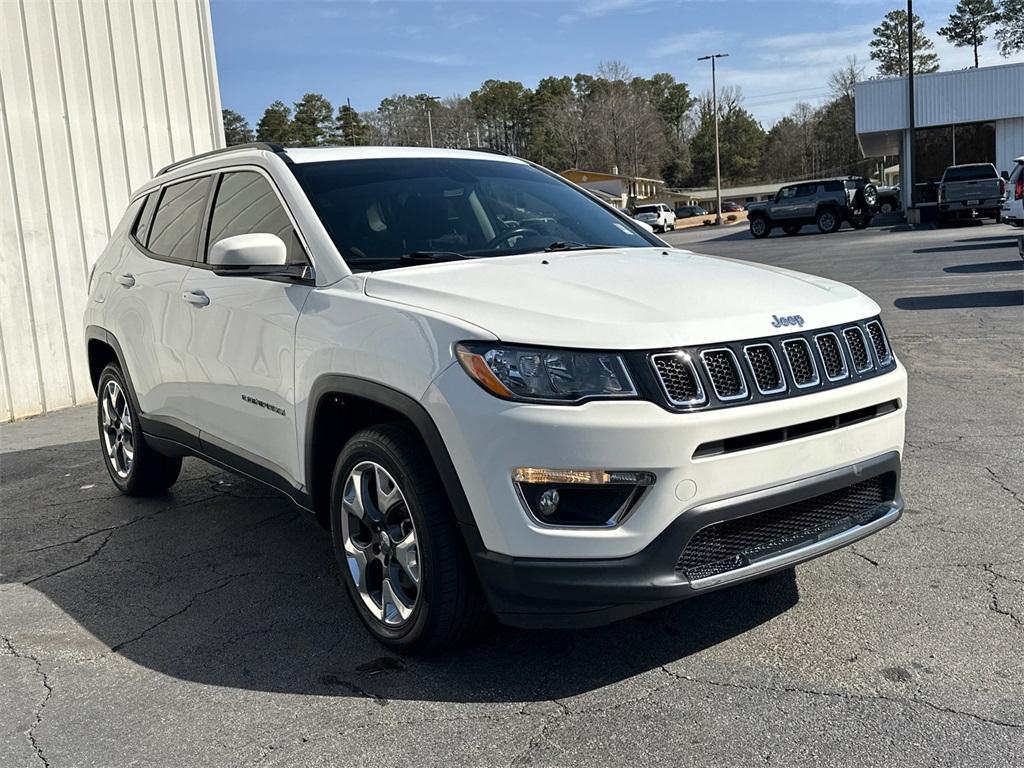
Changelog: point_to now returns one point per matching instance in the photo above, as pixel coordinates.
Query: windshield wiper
(422, 257)
(571, 245)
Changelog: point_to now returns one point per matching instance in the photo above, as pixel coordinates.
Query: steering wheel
(505, 236)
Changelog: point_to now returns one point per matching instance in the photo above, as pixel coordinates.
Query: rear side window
(175, 229)
(806, 190)
(141, 230)
(246, 203)
(838, 186)
(970, 172)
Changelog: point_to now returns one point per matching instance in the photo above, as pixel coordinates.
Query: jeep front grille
(754, 370)
(731, 544)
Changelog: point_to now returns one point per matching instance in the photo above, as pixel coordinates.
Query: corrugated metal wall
(942, 98)
(1009, 142)
(95, 95)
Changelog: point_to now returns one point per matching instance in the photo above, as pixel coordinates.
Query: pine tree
(313, 123)
(968, 22)
(889, 47)
(351, 130)
(236, 128)
(275, 125)
(1010, 29)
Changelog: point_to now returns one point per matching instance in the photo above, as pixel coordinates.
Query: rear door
(145, 304)
(805, 201)
(239, 332)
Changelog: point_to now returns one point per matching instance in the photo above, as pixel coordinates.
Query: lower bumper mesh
(731, 544)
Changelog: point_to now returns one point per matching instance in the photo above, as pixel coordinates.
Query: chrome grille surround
(829, 348)
(680, 379)
(879, 344)
(725, 389)
(802, 380)
(857, 349)
(676, 373)
(760, 356)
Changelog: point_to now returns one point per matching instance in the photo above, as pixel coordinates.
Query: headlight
(545, 375)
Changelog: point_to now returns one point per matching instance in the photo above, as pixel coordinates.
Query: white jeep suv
(492, 388)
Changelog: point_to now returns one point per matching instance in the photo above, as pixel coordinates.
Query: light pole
(430, 123)
(714, 108)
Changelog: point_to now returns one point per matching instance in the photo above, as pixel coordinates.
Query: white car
(658, 216)
(490, 387)
(1012, 211)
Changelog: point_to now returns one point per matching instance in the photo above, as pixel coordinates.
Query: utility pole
(909, 171)
(430, 124)
(714, 108)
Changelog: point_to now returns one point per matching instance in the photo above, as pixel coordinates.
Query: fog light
(574, 497)
(548, 502)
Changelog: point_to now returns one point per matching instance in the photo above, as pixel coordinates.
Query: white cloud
(593, 9)
(686, 42)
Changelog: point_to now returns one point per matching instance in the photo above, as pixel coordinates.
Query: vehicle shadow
(221, 582)
(963, 300)
(960, 248)
(986, 266)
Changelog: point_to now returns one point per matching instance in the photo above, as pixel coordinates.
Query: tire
(885, 208)
(792, 229)
(428, 598)
(760, 227)
(860, 222)
(827, 220)
(868, 196)
(134, 466)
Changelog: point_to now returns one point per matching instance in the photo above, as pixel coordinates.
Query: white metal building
(962, 116)
(94, 97)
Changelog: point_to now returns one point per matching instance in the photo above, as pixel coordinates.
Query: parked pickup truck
(970, 191)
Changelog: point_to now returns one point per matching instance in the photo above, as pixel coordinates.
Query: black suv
(826, 203)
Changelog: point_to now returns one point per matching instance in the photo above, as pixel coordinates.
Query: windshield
(384, 213)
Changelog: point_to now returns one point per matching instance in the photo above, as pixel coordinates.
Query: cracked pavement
(208, 627)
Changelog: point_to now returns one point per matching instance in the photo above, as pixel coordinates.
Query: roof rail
(277, 149)
(490, 151)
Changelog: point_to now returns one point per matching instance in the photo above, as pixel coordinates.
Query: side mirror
(1005, 175)
(258, 249)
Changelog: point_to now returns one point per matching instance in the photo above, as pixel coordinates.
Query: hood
(757, 204)
(631, 298)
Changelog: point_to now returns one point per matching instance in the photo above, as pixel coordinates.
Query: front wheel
(403, 563)
(135, 468)
(759, 227)
(827, 221)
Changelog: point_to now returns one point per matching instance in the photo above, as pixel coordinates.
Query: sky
(780, 53)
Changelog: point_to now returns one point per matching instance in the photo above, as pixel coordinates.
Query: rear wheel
(134, 466)
(791, 229)
(405, 567)
(759, 227)
(827, 220)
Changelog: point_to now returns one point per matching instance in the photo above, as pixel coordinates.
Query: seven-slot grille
(725, 546)
(792, 364)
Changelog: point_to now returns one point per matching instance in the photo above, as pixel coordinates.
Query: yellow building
(615, 185)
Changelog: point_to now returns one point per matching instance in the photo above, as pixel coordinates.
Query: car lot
(209, 628)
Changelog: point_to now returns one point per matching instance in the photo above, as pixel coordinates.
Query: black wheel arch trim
(340, 384)
(98, 333)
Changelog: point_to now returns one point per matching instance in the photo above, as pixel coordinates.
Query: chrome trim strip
(864, 341)
(783, 386)
(736, 367)
(810, 356)
(885, 342)
(800, 554)
(688, 361)
(839, 348)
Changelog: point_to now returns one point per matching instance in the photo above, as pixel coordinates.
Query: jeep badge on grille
(779, 322)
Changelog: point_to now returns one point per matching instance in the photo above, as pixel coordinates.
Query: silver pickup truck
(970, 191)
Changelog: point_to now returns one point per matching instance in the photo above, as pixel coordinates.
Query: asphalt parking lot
(208, 627)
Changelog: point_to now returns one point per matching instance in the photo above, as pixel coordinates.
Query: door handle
(127, 280)
(196, 298)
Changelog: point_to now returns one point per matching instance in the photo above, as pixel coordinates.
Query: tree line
(612, 120)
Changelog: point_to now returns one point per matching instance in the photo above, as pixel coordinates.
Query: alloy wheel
(118, 430)
(380, 542)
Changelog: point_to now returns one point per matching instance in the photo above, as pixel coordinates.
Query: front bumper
(532, 592)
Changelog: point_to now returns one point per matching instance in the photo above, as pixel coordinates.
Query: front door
(240, 336)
